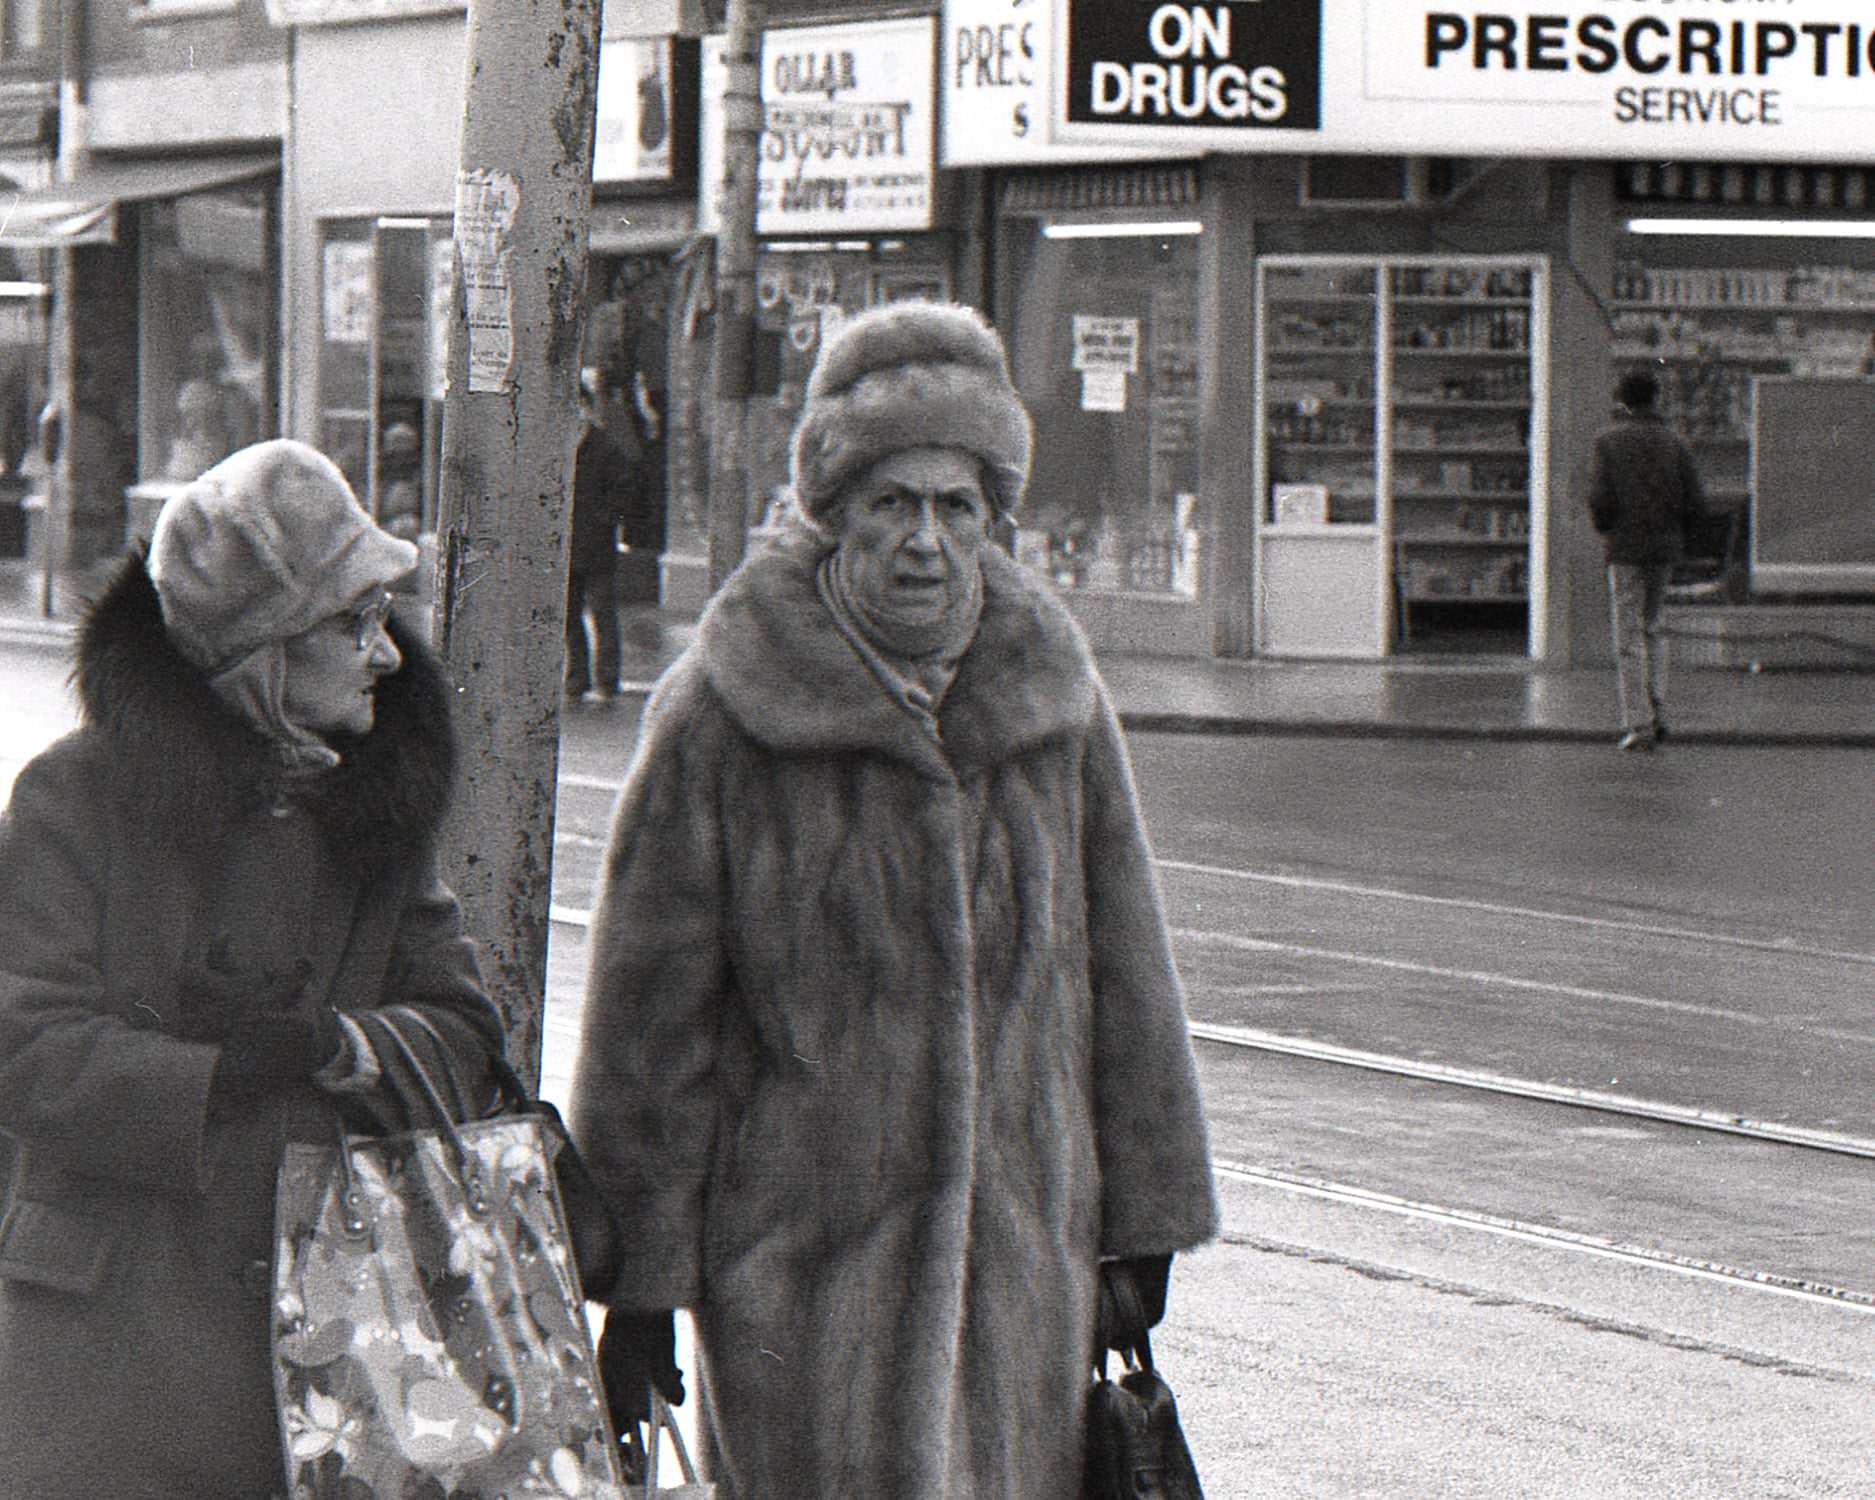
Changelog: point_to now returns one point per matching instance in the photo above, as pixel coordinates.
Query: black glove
(219, 998)
(637, 1354)
(270, 1049)
(1132, 1299)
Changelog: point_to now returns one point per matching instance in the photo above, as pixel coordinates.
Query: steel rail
(1548, 1236)
(1547, 1093)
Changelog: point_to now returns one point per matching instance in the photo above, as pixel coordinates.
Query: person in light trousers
(1644, 497)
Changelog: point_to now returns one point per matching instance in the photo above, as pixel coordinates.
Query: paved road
(1325, 1349)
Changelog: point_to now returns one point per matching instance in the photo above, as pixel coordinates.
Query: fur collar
(188, 766)
(771, 650)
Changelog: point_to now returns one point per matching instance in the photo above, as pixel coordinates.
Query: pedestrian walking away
(1644, 497)
(602, 485)
(884, 1059)
(202, 888)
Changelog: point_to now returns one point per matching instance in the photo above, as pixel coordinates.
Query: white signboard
(993, 60)
(1774, 80)
(849, 139)
(632, 134)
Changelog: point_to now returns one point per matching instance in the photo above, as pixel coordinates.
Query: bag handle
(662, 1418)
(1129, 1313)
(475, 1194)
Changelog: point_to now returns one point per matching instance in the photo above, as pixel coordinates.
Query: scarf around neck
(915, 663)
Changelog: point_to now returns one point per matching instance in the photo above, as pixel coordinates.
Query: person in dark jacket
(202, 887)
(1644, 495)
(884, 1058)
(602, 488)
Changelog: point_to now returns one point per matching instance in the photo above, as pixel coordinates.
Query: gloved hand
(1132, 1299)
(638, 1353)
(270, 1049)
(220, 996)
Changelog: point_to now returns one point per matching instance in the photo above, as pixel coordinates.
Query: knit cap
(909, 375)
(262, 547)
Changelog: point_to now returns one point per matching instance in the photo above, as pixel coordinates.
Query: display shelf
(1434, 469)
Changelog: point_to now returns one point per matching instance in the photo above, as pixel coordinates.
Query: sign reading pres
(1248, 65)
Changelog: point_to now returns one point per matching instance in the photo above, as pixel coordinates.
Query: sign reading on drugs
(1729, 80)
(1232, 65)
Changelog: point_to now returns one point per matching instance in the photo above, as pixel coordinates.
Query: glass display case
(1401, 454)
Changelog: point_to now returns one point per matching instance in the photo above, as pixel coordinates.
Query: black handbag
(1135, 1448)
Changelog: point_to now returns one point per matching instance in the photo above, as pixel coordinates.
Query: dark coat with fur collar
(133, 1359)
(883, 1046)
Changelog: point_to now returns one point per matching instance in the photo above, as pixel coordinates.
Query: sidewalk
(1469, 698)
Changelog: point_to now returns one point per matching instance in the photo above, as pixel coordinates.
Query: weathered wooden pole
(734, 346)
(523, 209)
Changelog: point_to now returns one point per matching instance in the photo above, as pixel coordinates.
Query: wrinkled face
(913, 528)
(332, 669)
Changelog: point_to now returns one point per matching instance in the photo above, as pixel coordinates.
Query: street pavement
(1326, 1349)
(1418, 697)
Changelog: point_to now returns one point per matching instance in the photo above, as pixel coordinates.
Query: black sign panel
(1247, 65)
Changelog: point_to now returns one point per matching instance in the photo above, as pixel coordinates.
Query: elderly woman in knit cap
(884, 1057)
(206, 890)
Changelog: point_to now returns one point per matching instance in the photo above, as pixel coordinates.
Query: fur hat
(909, 375)
(263, 546)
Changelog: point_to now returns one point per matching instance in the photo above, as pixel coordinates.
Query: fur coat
(133, 1305)
(883, 1047)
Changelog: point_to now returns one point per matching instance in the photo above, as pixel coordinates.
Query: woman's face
(332, 670)
(912, 532)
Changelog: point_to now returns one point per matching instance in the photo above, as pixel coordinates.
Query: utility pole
(523, 210)
(735, 290)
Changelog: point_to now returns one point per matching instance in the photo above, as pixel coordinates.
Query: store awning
(84, 211)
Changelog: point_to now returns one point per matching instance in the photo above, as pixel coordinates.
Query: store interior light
(1803, 229)
(24, 289)
(1137, 230)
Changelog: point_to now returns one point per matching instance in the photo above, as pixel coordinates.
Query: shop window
(803, 292)
(1102, 325)
(23, 29)
(207, 322)
(384, 307)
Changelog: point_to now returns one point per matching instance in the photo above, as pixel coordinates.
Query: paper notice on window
(347, 316)
(485, 208)
(1103, 389)
(1106, 343)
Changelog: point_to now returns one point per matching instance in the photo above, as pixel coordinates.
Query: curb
(59, 633)
(1153, 721)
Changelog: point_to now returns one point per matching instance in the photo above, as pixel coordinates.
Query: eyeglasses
(368, 619)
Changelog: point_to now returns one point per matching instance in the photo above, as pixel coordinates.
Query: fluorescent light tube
(1137, 230)
(1820, 229)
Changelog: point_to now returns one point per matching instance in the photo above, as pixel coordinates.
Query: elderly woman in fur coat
(205, 890)
(884, 1055)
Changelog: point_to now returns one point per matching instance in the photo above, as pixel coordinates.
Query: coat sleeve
(646, 1101)
(78, 1080)
(1157, 1193)
(434, 970)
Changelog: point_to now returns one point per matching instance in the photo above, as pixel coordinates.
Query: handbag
(598, 1238)
(428, 1328)
(1135, 1448)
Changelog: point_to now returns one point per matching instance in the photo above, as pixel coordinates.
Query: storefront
(643, 218)
(1373, 443)
(1097, 292)
(174, 315)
